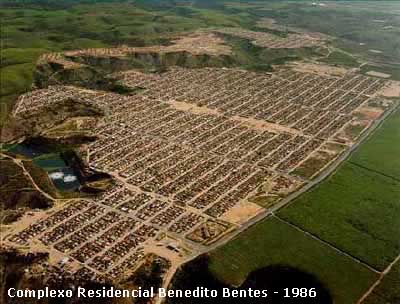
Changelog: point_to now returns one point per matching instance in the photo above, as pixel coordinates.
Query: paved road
(264, 214)
(289, 199)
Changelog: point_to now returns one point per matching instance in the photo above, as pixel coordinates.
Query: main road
(290, 198)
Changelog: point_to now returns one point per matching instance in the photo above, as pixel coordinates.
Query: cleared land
(29, 31)
(189, 151)
(358, 219)
(274, 242)
(178, 197)
(355, 209)
(267, 40)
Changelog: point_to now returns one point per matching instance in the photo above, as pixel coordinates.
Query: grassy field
(37, 27)
(385, 144)
(359, 25)
(388, 290)
(391, 69)
(356, 208)
(341, 58)
(31, 30)
(274, 242)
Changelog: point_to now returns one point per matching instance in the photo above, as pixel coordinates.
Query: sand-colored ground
(200, 42)
(378, 74)
(268, 40)
(60, 60)
(370, 113)
(242, 212)
(173, 256)
(251, 122)
(27, 219)
(265, 126)
(199, 227)
(332, 148)
(392, 90)
(320, 69)
(375, 51)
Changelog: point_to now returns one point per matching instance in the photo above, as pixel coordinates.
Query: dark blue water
(60, 173)
(29, 150)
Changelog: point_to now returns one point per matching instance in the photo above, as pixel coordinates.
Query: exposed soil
(17, 194)
(320, 69)
(242, 212)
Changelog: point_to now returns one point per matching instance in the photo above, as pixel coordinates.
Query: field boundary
(374, 171)
(381, 277)
(332, 246)
(331, 169)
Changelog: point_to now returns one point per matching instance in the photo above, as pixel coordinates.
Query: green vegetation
(257, 58)
(38, 27)
(16, 78)
(354, 211)
(274, 242)
(393, 69)
(360, 26)
(49, 161)
(38, 168)
(353, 131)
(341, 58)
(310, 167)
(388, 290)
(31, 28)
(355, 208)
(383, 145)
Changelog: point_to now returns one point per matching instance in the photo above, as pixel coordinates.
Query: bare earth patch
(200, 42)
(378, 74)
(392, 90)
(268, 40)
(375, 51)
(370, 113)
(195, 153)
(319, 69)
(266, 126)
(242, 212)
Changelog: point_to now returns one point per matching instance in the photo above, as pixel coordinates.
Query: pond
(30, 150)
(59, 169)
